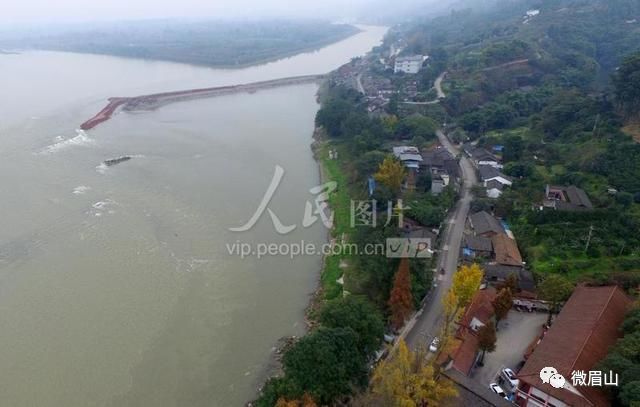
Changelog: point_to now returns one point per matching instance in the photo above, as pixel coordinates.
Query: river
(116, 286)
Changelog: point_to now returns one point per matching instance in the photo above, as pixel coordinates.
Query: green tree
(627, 84)
(487, 339)
(417, 125)
(555, 289)
(358, 314)
(630, 394)
(325, 363)
(502, 304)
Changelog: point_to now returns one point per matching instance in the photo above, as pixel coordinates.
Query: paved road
(359, 84)
(438, 87)
(428, 324)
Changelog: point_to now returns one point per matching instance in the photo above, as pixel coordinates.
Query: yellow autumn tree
(306, 401)
(466, 282)
(391, 173)
(406, 379)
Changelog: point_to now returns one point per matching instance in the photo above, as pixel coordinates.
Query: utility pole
(589, 238)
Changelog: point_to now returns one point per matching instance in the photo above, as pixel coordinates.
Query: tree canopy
(627, 83)
(359, 315)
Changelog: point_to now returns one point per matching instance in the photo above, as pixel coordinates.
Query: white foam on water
(102, 168)
(81, 190)
(81, 139)
(101, 208)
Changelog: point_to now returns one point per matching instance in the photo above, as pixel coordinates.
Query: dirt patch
(633, 129)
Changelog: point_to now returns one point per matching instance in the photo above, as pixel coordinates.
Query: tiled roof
(506, 250)
(478, 243)
(482, 223)
(488, 172)
(481, 309)
(579, 338)
(578, 197)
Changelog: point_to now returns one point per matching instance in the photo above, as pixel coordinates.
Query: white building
(411, 64)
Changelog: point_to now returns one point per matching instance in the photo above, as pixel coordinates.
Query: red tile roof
(506, 250)
(579, 338)
(481, 309)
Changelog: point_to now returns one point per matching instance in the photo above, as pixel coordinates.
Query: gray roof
(495, 184)
(421, 233)
(578, 197)
(487, 172)
(410, 157)
(452, 168)
(482, 223)
(501, 272)
(478, 243)
(436, 158)
(483, 155)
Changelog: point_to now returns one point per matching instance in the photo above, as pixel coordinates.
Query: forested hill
(560, 90)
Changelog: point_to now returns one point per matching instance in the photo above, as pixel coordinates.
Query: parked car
(511, 377)
(498, 390)
(433, 347)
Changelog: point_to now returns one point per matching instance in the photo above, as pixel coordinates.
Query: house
(441, 164)
(493, 180)
(488, 173)
(477, 246)
(506, 250)
(485, 225)
(434, 160)
(580, 337)
(569, 198)
(480, 156)
(409, 156)
(494, 189)
(438, 184)
(409, 64)
(464, 353)
(497, 274)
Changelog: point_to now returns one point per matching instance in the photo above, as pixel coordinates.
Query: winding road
(437, 85)
(427, 321)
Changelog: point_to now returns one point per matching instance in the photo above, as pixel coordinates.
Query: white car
(433, 347)
(498, 390)
(511, 377)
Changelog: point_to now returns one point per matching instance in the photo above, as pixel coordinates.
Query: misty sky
(25, 11)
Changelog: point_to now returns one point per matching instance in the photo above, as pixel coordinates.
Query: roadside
(429, 318)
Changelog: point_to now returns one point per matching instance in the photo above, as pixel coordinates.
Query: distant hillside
(211, 43)
(559, 90)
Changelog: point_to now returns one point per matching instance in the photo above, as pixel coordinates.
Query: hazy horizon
(76, 11)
